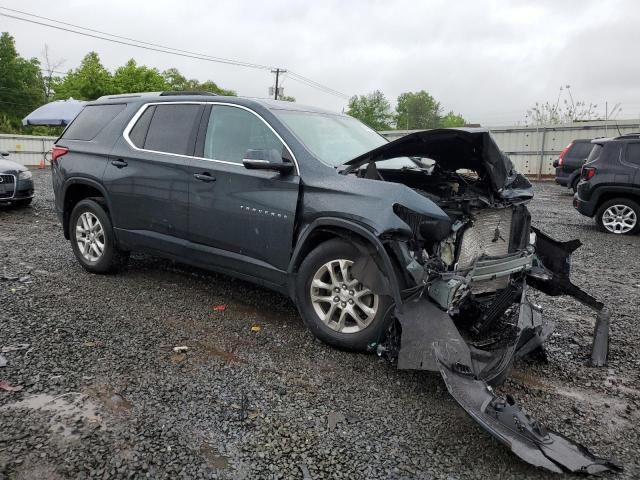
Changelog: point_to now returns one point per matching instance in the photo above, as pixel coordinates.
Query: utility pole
(277, 71)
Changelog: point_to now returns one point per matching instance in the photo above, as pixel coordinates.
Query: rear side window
(633, 153)
(91, 120)
(173, 129)
(138, 133)
(595, 153)
(581, 150)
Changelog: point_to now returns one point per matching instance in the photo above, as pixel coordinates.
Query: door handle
(119, 163)
(204, 177)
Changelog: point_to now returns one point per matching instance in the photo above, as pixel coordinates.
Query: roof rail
(186, 92)
(627, 135)
(118, 96)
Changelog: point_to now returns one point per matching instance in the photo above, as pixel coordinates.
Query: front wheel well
(74, 194)
(325, 233)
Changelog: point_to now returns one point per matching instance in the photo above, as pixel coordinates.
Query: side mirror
(283, 168)
(4, 154)
(266, 160)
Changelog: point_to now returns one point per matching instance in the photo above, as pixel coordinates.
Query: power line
(313, 83)
(321, 88)
(187, 52)
(122, 40)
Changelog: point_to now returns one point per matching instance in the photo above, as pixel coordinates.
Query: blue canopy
(60, 112)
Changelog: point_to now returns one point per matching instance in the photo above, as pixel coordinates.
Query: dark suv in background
(610, 187)
(570, 161)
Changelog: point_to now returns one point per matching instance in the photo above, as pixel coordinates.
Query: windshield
(334, 139)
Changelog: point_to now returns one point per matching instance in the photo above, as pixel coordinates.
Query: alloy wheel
(341, 302)
(90, 236)
(619, 219)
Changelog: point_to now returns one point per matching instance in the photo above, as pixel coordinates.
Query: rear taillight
(563, 153)
(57, 152)
(588, 173)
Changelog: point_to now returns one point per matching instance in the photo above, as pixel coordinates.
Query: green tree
(211, 86)
(21, 85)
(452, 120)
(176, 81)
(372, 109)
(417, 110)
(132, 78)
(87, 82)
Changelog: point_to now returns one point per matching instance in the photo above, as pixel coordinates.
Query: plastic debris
(334, 418)
(180, 349)
(220, 308)
(255, 328)
(16, 347)
(7, 387)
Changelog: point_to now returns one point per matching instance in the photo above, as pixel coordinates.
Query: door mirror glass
(270, 155)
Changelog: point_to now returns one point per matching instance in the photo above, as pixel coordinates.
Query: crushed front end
(465, 311)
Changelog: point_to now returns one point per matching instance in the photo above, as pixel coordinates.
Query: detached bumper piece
(526, 437)
(552, 278)
(431, 341)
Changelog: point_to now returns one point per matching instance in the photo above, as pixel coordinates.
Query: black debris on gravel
(104, 394)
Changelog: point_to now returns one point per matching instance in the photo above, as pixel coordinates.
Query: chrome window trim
(15, 186)
(141, 110)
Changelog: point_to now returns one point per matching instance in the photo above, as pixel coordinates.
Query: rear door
(241, 220)
(632, 161)
(147, 177)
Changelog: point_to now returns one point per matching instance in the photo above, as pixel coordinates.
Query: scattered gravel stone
(105, 396)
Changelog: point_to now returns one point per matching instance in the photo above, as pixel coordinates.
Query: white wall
(533, 149)
(26, 149)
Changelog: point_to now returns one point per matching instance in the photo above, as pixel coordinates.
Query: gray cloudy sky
(488, 60)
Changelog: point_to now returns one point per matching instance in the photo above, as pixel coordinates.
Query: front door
(241, 219)
(148, 177)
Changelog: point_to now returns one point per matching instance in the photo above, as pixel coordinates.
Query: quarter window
(232, 132)
(173, 129)
(633, 153)
(91, 120)
(138, 133)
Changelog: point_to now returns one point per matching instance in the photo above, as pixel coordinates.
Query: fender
(80, 181)
(624, 190)
(322, 223)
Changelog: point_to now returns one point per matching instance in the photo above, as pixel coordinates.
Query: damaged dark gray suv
(421, 248)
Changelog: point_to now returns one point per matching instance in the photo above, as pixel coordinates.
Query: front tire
(336, 307)
(619, 215)
(92, 238)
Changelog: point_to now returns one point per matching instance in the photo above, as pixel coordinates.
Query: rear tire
(358, 318)
(92, 238)
(619, 215)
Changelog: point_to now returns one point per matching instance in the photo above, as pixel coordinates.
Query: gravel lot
(105, 396)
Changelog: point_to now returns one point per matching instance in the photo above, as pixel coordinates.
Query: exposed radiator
(489, 235)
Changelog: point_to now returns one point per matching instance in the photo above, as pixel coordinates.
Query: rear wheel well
(74, 194)
(605, 197)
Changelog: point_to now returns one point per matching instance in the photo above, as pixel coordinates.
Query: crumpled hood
(453, 149)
